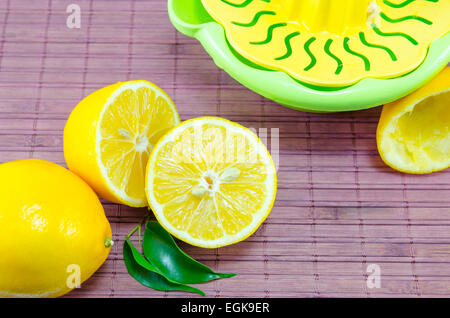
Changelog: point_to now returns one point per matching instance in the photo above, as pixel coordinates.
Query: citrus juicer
(322, 55)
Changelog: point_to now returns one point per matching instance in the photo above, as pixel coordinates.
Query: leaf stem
(137, 228)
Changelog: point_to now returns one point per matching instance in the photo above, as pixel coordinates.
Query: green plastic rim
(190, 18)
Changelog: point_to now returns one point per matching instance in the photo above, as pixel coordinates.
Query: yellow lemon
(109, 135)
(53, 230)
(413, 134)
(210, 182)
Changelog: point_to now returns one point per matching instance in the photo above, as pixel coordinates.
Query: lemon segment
(109, 135)
(414, 133)
(210, 182)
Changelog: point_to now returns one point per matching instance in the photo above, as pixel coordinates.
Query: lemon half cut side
(210, 182)
(109, 136)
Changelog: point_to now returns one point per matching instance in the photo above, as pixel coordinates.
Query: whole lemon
(53, 230)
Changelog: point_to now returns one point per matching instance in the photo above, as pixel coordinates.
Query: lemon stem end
(109, 242)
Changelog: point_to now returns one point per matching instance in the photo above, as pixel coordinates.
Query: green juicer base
(191, 19)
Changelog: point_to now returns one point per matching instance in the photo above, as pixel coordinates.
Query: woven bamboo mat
(339, 209)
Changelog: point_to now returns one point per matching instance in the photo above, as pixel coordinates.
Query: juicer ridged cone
(333, 43)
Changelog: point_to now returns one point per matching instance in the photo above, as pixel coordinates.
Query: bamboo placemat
(339, 209)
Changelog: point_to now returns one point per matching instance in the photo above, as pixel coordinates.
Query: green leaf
(161, 250)
(146, 274)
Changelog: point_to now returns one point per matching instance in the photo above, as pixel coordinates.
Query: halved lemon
(110, 133)
(210, 182)
(413, 134)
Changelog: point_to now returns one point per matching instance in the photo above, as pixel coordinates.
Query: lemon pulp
(128, 131)
(211, 182)
(110, 133)
(421, 137)
(413, 132)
